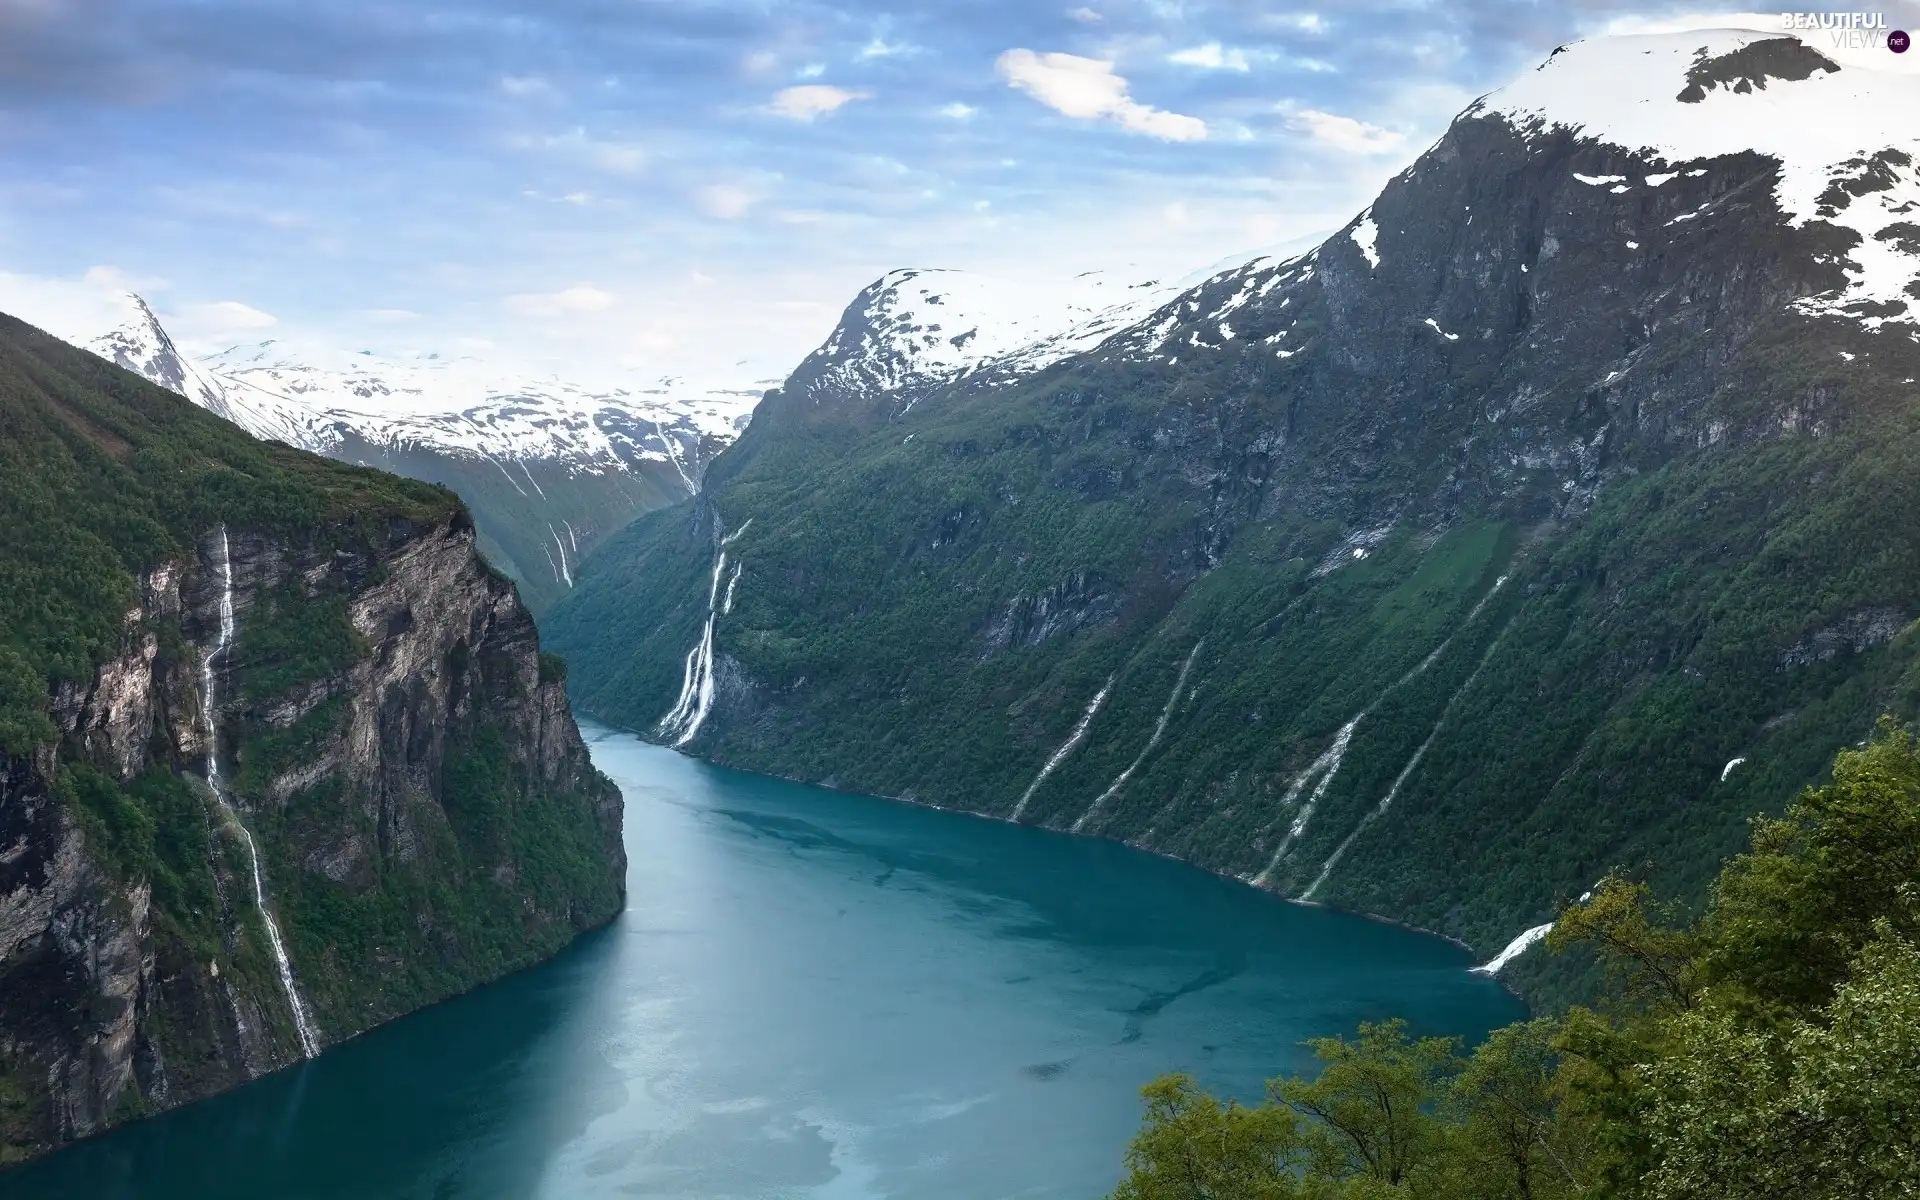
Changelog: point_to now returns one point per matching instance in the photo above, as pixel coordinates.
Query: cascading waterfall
(1067, 747)
(1324, 768)
(1159, 731)
(1328, 764)
(726, 605)
(565, 571)
(1386, 801)
(690, 711)
(1515, 949)
(302, 1022)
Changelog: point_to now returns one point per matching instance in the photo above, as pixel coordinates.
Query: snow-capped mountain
(547, 466)
(913, 331)
(1428, 573)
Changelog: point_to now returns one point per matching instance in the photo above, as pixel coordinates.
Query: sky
(621, 190)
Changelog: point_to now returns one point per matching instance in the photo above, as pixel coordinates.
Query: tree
(1192, 1147)
(1769, 1049)
(1372, 1104)
(1510, 1135)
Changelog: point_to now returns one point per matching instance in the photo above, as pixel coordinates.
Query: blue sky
(635, 187)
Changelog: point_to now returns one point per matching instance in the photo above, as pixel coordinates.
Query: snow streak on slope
(1684, 97)
(1067, 747)
(1159, 731)
(1515, 949)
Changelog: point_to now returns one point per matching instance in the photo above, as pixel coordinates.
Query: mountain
(280, 756)
(548, 468)
(1557, 513)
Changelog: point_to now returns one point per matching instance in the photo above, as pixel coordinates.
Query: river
(811, 994)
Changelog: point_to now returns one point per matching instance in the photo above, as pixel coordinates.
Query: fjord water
(811, 994)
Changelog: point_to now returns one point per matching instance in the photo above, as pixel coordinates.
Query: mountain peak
(1843, 136)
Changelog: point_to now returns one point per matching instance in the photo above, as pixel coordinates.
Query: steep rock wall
(425, 814)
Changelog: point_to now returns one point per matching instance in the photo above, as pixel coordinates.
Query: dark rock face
(117, 1001)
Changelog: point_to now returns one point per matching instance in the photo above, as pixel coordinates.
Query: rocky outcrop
(377, 782)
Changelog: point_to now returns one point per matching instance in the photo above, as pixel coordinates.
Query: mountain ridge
(1510, 451)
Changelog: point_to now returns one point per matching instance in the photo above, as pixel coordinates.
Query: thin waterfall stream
(302, 1021)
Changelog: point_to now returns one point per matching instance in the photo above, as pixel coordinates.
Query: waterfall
(1067, 747)
(1325, 768)
(1515, 949)
(1386, 801)
(302, 1023)
(690, 711)
(566, 572)
(1328, 764)
(1159, 731)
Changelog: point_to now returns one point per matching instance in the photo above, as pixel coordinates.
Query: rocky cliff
(298, 767)
(1431, 573)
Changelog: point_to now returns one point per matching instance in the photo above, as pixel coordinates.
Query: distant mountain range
(548, 467)
(551, 468)
(1559, 512)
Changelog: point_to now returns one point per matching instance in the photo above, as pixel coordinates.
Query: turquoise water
(810, 995)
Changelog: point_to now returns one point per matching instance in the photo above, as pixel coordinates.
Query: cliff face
(314, 775)
(359, 783)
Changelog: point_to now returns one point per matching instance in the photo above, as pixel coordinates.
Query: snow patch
(1366, 235)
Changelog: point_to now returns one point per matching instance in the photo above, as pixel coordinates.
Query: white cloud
(523, 86)
(114, 279)
(812, 71)
(1211, 57)
(1306, 22)
(1684, 22)
(879, 47)
(74, 309)
(725, 201)
(760, 62)
(1087, 89)
(617, 158)
(1085, 16)
(811, 100)
(958, 111)
(222, 318)
(1345, 133)
(392, 316)
(580, 298)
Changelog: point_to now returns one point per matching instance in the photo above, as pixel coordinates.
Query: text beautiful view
(1336, 618)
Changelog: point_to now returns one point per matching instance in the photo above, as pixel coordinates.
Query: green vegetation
(387, 900)
(1768, 1048)
(291, 639)
(103, 476)
(925, 609)
(512, 875)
